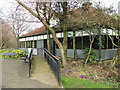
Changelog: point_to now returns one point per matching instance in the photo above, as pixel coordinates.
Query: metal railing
(54, 64)
(30, 62)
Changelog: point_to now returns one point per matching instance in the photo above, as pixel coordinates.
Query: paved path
(42, 72)
(14, 75)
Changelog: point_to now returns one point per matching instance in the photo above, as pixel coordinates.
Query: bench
(24, 57)
(28, 59)
(9, 54)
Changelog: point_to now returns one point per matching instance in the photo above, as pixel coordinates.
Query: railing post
(59, 81)
(30, 62)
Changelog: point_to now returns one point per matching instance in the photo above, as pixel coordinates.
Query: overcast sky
(7, 6)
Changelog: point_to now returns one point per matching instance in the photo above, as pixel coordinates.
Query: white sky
(7, 6)
(109, 3)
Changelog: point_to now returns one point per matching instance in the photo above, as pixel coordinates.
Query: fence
(54, 64)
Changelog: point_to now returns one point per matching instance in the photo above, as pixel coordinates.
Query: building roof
(40, 30)
(83, 17)
(90, 16)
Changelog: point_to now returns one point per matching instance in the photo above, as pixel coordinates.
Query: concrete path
(14, 75)
(42, 72)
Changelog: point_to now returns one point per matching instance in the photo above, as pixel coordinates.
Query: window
(70, 43)
(78, 44)
(86, 42)
(28, 44)
(20, 43)
(45, 43)
(35, 44)
(82, 42)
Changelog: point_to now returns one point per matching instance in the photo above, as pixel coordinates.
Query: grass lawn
(73, 82)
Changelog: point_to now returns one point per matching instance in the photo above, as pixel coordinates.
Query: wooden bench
(27, 57)
(9, 54)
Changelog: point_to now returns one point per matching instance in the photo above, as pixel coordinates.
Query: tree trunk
(65, 33)
(49, 28)
(88, 54)
(2, 46)
(113, 40)
(48, 37)
(65, 46)
(48, 41)
(18, 46)
(91, 43)
(63, 56)
(116, 57)
(118, 33)
(107, 39)
(100, 45)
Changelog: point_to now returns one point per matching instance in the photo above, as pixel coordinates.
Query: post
(18, 41)
(100, 44)
(29, 43)
(113, 40)
(118, 30)
(37, 42)
(107, 39)
(25, 42)
(82, 40)
(74, 50)
(22, 44)
(33, 43)
(59, 81)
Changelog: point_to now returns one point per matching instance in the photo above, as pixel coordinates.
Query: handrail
(52, 55)
(30, 62)
(54, 64)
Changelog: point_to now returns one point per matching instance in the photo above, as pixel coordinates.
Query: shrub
(18, 52)
(92, 57)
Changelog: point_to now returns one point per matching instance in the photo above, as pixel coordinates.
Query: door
(40, 47)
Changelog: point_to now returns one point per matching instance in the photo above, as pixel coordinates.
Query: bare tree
(47, 26)
(64, 12)
(16, 20)
(5, 32)
(92, 34)
(90, 17)
(17, 23)
(45, 10)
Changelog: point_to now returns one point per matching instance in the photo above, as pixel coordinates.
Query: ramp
(42, 72)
